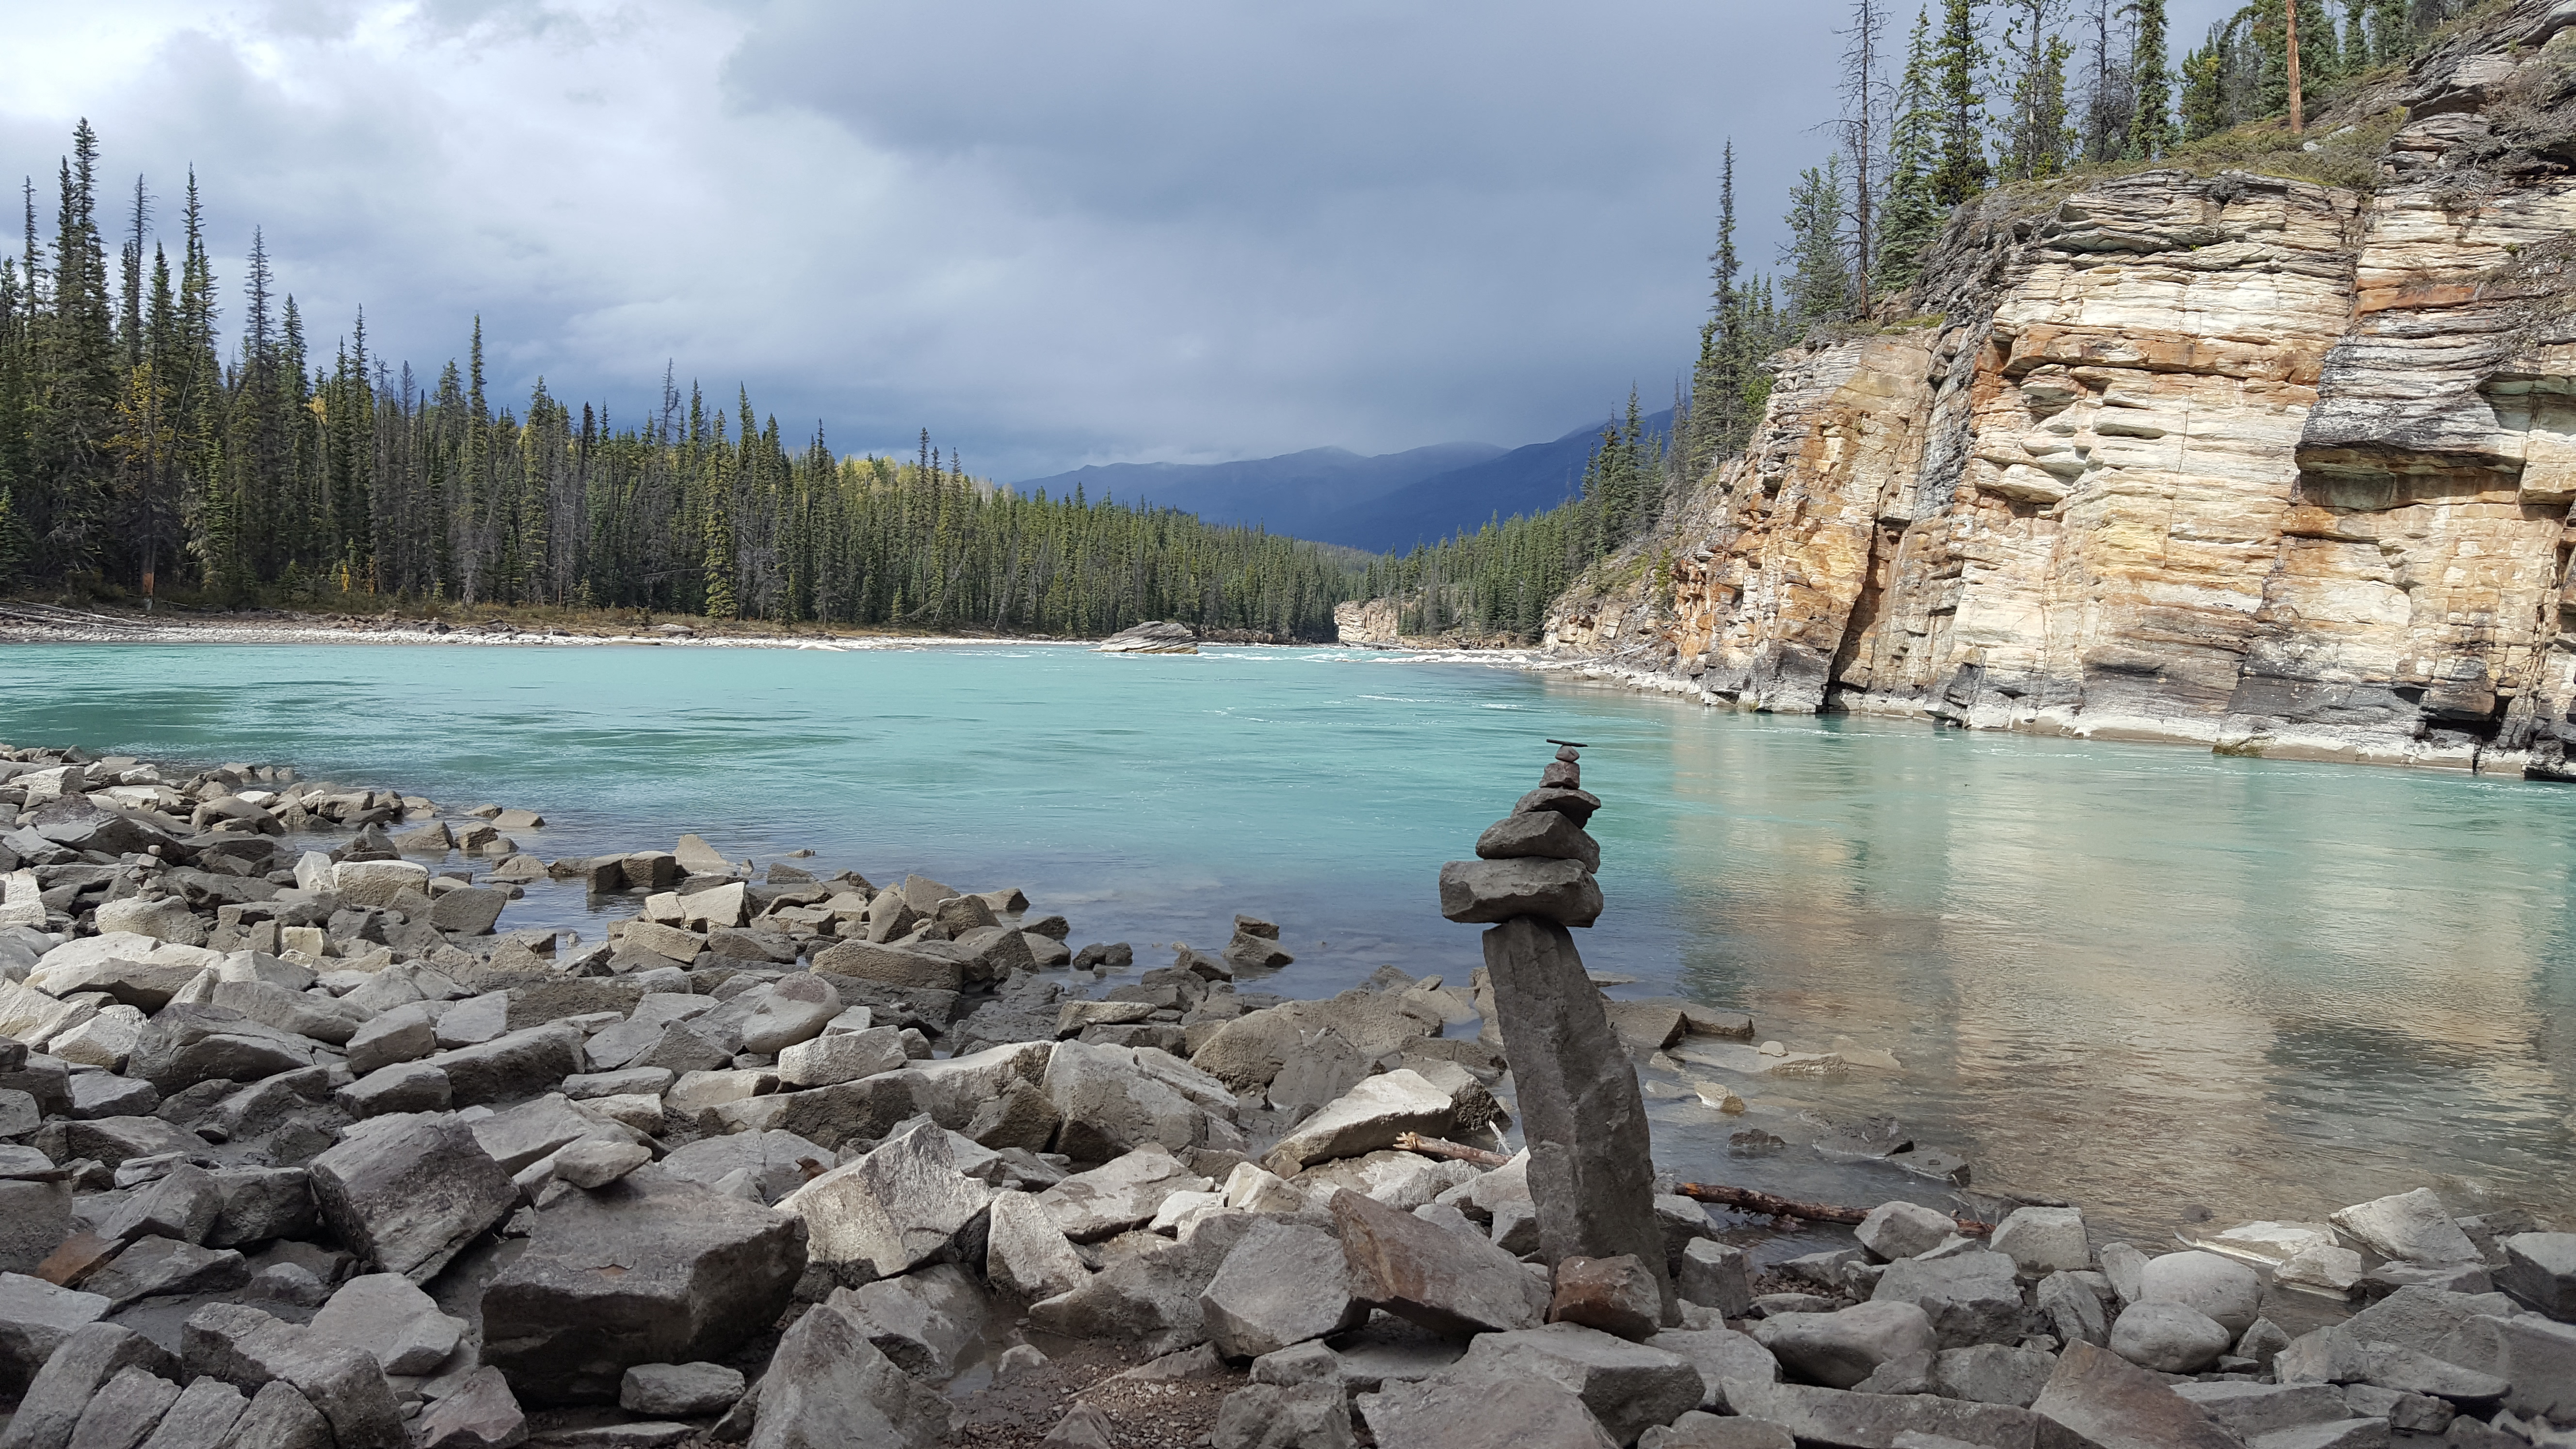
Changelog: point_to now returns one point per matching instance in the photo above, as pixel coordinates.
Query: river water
(2164, 985)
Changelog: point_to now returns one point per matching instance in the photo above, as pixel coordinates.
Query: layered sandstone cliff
(2260, 464)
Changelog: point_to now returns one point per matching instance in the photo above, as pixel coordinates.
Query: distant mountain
(1299, 494)
(1332, 495)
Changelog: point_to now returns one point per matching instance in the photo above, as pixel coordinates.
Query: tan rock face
(2251, 463)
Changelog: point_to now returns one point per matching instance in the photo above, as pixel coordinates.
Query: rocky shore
(301, 1144)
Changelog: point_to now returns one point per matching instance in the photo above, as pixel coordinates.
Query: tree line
(136, 455)
(1987, 92)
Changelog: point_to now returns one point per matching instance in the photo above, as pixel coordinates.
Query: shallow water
(2152, 981)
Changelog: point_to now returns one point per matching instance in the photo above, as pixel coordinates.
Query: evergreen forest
(143, 453)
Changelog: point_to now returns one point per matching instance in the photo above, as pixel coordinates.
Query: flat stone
(1367, 1118)
(1970, 1296)
(827, 1387)
(842, 1057)
(1874, 1421)
(595, 1162)
(518, 1065)
(1121, 1194)
(645, 1270)
(1543, 835)
(779, 1162)
(1696, 1430)
(1992, 1373)
(248, 1349)
(187, 1043)
(1719, 1354)
(35, 1318)
(2116, 1405)
(1272, 1416)
(679, 1390)
(900, 1206)
(202, 1415)
(2537, 1356)
(1463, 1412)
(2249, 1410)
(168, 1267)
(389, 1317)
(1486, 892)
(129, 1407)
(1901, 1229)
(409, 1194)
(480, 1412)
(2412, 1226)
(1840, 1349)
(1627, 1386)
(2540, 1271)
(1284, 1283)
(1446, 1281)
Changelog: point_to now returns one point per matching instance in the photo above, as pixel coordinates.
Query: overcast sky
(1053, 233)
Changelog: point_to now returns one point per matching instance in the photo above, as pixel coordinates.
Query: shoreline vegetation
(305, 1143)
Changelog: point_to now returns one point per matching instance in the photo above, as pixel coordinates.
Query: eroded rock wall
(2252, 463)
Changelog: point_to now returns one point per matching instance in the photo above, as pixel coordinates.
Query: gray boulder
(202, 1415)
(127, 1409)
(478, 1413)
(1025, 1253)
(2171, 1338)
(1719, 1354)
(900, 1206)
(1902, 1229)
(1836, 1417)
(80, 1366)
(1627, 1386)
(2217, 1288)
(167, 1267)
(697, 1273)
(1152, 1294)
(1970, 1296)
(1284, 1283)
(2413, 1227)
(1121, 1194)
(1840, 1349)
(188, 1043)
(1109, 1105)
(35, 1318)
(1367, 1118)
(1542, 835)
(509, 1067)
(277, 1417)
(2095, 1394)
(778, 1162)
(2540, 1270)
(260, 1203)
(2073, 1311)
(2043, 1240)
(1449, 1282)
(35, 1217)
(404, 1087)
(248, 1349)
(407, 1194)
(1270, 1416)
(1992, 1373)
(827, 1387)
(1717, 1276)
(923, 1321)
(2250, 1410)
(392, 1320)
(1468, 1411)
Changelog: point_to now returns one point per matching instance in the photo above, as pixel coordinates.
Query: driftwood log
(1743, 1199)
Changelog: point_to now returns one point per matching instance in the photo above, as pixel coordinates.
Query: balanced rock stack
(1591, 1165)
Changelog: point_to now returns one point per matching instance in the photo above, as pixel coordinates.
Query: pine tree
(1913, 215)
(2356, 38)
(1716, 389)
(2205, 110)
(2392, 30)
(2036, 136)
(2151, 126)
(1961, 173)
(1820, 280)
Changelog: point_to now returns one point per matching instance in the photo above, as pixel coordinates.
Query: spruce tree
(1957, 61)
(2204, 91)
(2151, 124)
(1820, 280)
(2035, 135)
(2392, 31)
(1913, 214)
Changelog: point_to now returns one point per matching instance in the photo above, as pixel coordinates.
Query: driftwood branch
(1746, 1199)
(1434, 1147)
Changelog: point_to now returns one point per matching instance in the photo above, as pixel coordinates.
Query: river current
(2164, 985)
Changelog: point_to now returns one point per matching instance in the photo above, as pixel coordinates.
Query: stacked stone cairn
(1591, 1158)
(302, 1147)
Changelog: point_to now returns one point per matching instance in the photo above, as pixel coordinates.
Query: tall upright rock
(2271, 466)
(1591, 1167)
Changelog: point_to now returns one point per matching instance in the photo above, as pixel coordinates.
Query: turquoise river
(2163, 985)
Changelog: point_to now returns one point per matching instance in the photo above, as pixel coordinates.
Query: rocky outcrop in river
(2260, 464)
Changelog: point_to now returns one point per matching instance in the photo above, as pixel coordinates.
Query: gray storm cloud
(1051, 233)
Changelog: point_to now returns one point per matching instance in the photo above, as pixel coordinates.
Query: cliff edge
(2273, 466)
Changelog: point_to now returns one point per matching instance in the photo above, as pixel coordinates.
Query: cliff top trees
(2036, 136)
(2151, 125)
(1958, 58)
